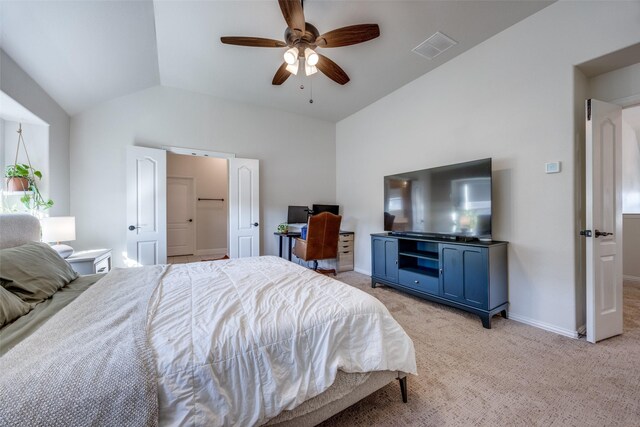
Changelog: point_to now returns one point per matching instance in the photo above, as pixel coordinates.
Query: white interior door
(244, 208)
(603, 220)
(146, 205)
(181, 200)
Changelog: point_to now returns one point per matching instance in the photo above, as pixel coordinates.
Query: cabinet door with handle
(464, 275)
(384, 258)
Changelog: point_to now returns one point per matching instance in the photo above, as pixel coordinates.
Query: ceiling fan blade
(293, 15)
(347, 36)
(281, 75)
(252, 42)
(332, 70)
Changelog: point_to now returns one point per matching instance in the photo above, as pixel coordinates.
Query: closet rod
(201, 198)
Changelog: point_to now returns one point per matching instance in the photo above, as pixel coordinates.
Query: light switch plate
(552, 167)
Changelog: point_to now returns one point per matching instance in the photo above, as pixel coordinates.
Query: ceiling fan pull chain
(311, 91)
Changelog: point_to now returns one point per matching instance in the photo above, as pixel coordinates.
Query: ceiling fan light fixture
(293, 68)
(291, 56)
(311, 57)
(310, 69)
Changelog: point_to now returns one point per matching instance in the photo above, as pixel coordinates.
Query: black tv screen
(453, 200)
(297, 214)
(334, 209)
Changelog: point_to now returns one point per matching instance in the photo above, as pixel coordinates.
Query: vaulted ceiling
(86, 52)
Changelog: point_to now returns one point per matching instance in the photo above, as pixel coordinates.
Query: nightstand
(91, 262)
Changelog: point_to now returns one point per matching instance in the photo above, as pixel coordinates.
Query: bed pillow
(11, 306)
(34, 271)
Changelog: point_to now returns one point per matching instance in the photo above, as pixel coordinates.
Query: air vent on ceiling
(434, 45)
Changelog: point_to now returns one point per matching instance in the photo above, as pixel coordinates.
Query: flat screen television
(297, 214)
(334, 209)
(453, 201)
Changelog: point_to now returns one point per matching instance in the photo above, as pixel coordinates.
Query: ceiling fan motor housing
(307, 40)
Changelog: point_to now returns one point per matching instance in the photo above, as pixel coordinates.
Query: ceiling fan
(302, 38)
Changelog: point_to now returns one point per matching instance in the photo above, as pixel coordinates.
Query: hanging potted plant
(24, 177)
(18, 177)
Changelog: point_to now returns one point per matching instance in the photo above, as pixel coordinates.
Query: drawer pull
(102, 269)
(416, 282)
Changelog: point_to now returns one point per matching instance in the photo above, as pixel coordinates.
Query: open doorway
(611, 78)
(631, 211)
(197, 208)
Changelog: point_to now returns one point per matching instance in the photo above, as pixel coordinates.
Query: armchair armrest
(300, 249)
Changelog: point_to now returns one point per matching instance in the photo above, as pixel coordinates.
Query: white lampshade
(293, 68)
(58, 229)
(291, 56)
(311, 57)
(310, 69)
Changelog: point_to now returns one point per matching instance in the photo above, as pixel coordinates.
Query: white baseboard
(362, 271)
(214, 251)
(542, 325)
(629, 278)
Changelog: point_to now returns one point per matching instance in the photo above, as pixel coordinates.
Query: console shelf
(424, 255)
(471, 276)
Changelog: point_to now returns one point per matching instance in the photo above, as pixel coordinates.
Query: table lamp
(59, 229)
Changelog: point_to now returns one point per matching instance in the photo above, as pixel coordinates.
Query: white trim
(630, 278)
(212, 252)
(628, 101)
(200, 153)
(542, 325)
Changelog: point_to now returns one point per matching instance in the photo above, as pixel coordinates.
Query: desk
(291, 235)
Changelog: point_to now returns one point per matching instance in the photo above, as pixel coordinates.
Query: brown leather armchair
(323, 231)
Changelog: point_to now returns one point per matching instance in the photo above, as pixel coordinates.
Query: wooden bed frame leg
(403, 388)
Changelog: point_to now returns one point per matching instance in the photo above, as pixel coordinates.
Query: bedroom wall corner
(16, 83)
(296, 153)
(495, 100)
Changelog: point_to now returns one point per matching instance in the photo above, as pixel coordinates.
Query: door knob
(599, 233)
(255, 224)
(190, 220)
(132, 227)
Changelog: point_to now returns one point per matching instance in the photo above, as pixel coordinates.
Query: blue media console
(471, 276)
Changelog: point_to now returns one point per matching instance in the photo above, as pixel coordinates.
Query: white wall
(631, 246)
(211, 181)
(630, 167)
(296, 153)
(2, 148)
(510, 98)
(23, 89)
(620, 84)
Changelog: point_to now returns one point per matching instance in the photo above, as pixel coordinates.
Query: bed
(236, 342)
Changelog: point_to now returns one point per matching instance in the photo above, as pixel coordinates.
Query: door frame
(194, 211)
(220, 155)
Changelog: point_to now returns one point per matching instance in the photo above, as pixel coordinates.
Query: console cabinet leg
(373, 283)
(403, 388)
(504, 314)
(486, 321)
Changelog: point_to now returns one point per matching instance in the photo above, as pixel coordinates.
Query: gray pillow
(34, 271)
(11, 307)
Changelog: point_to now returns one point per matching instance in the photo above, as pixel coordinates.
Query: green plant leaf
(38, 174)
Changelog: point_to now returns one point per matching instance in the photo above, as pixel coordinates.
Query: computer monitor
(334, 209)
(297, 214)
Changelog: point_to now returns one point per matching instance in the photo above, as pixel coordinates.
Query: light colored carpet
(511, 375)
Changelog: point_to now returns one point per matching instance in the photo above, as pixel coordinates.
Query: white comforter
(238, 341)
